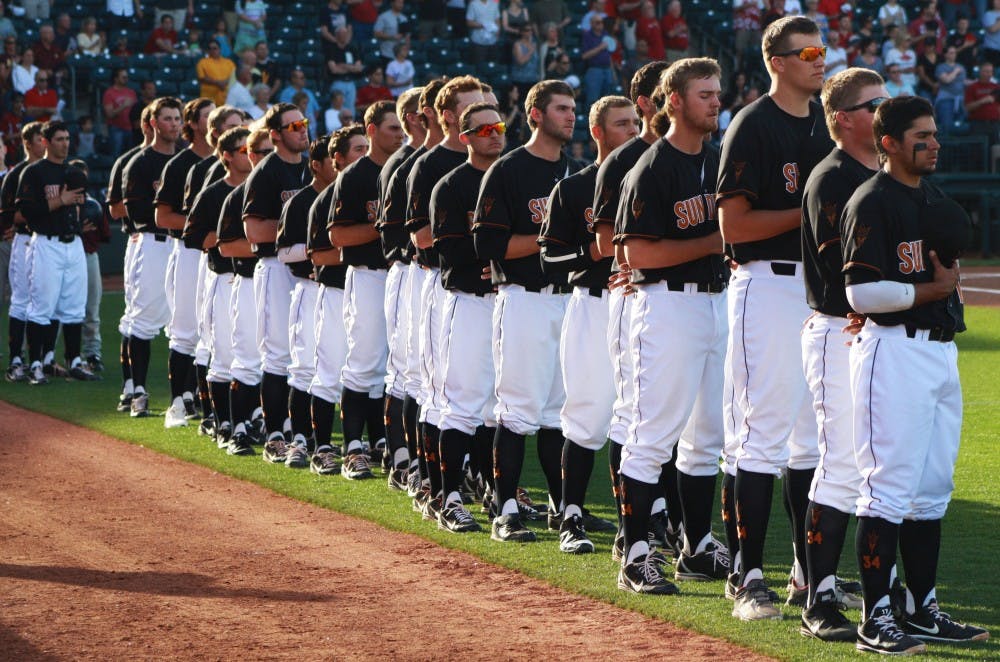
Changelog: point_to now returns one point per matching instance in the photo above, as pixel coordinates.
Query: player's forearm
(357, 234)
(422, 238)
(522, 245)
(236, 248)
(168, 219)
(661, 253)
(211, 239)
(294, 253)
(328, 257)
(742, 225)
(604, 234)
(260, 230)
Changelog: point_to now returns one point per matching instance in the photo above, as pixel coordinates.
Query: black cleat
(824, 621)
(573, 537)
(931, 624)
(454, 517)
(712, 563)
(356, 467)
(508, 528)
(240, 445)
(881, 634)
(324, 462)
(124, 402)
(643, 575)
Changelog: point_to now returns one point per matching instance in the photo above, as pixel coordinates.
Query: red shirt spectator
(374, 91)
(830, 8)
(675, 28)
(365, 11)
(48, 55)
(648, 28)
(927, 26)
(41, 101)
(118, 101)
(627, 10)
(981, 104)
(163, 39)
(10, 125)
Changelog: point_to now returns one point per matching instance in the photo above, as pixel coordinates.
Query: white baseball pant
(150, 312)
(331, 343)
(272, 289)
(302, 334)
(203, 348)
(467, 396)
(411, 376)
(219, 325)
(125, 323)
(17, 273)
(432, 295)
(246, 366)
(396, 289)
(182, 285)
(364, 322)
(619, 318)
(57, 280)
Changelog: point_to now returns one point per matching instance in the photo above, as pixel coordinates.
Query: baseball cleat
(643, 575)
(95, 363)
(618, 547)
(81, 373)
(931, 624)
(356, 467)
(124, 402)
(190, 410)
(239, 444)
(222, 435)
(397, 479)
(848, 593)
(140, 405)
(275, 449)
(797, 595)
(454, 517)
(36, 376)
(526, 507)
(298, 453)
(712, 563)
(661, 535)
(207, 427)
(16, 373)
(174, 416)
(753, 603)
(881, 634)
(432, 509)
(412, 482)
(324, 462)
(573, 537)
(733, 586)
(824, 621)
(55, 370)
(594, 523)
(508, 528)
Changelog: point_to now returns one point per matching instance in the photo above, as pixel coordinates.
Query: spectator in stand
(48, 55)
(902, 55)
(301, 101)
(746, 25)
(296, 84)
(24, 72)
(372, 91)
(967, 44)
(927, 83)
(120, 48)
(991, 36)
(674, 27)
(514, 17)
(982, 103)
(949, 105)
(432, 19)
(774, 12)
(239, 90)
(869, 58)
(163, 40)
(866, 26)
(6, 84)
(178, 10)
(636, 60)
(551, 49)
(214, 73)
(455, 11)
(927, 29)
(513, 117)
(86, 140)
(34, 9)
(64, 34)
(331, 117)
(344, 65)
(6, 25)
(266, 68)
(892, 13)
(595, 8)
(332, 17)
(221, 37)
(483, 20)
(836, 58)
(399, 73)
(90, 41)
(562, 68)
(41, 102)
(10, 126)
(261, 100)
(147, 94)
(122, 14)
(819, 18)
(551, 11)
(598, 78)
(117, 103)
(647, 27)
(192, 45)
(525, 62)
(830, 8)
(895, 84)
(11, 54)
(626, 14)
(251, 16)
(391, 27)
(364, 13)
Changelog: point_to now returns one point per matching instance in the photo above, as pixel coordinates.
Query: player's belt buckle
(936, 334)
(704, 288)
(596, 292)
(783, 268)
(67, 238)
(160, 238)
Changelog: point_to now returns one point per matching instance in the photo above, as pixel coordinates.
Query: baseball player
(346, 146)
(293, 228)
(664, 522)
(569, 250)
(116, 209)
(395, 248)
(182, 266)
(529, 308)
(465, 354)
(49, 197)
(200, 233)
(34, 150)
(246, 365)
(268, 187)
(901, 240)
(678, 330)
(769, 151)
(351, 227)
(95, 231)
(148, 302)
(849, 102)
(457, 94)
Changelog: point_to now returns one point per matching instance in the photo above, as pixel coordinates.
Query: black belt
(936, 334)
(556, 289)
(596, 292)
(64, 238)
(709, 288)
(782, 269)
(156, 236)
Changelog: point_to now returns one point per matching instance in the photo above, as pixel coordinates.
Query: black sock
(550, 445)
(453, 444)
(508, 458)
(322, 420)
(920, 546)
(753, 510)
(473, 469)
(244, 398)
(668, 487)
(200, 374)
(826, 528)
(876, 549)
(375, 419)
(395, 431)
(795, 493)
(298, 408)
(51, 333)
(72, 335)
(577, 466)
(178, 367)
(125, 362)
(36, 342)
(728, 499)
(697, 497)
(410, 410)
(637, 498)
(194, 381)
(15, 337)
(430, 437)
(219, 393)
(274, 401)
(353, 406)
(138, 358)
(615, 465)
(483, 447)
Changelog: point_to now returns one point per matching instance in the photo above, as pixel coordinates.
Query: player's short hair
(230, 140)
(256, 137)
(447, 98)
(80, 164)
(163, 103)
(377, 112)
(272, 118)
(408, 102)
(192, 109)
(340, 140)
(678, 75)
(52, 127)
(217, 119)
(895, 116)
(646, 82)
(465, 121)
(30, 130)
(777, 34)
(599, 111)
(319, 149)
(540, 96)
(427, 97)
(841, 91)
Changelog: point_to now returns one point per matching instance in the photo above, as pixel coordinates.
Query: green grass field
(968, 586)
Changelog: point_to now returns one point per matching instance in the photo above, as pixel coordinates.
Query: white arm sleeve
(296, 253)
(883, 296)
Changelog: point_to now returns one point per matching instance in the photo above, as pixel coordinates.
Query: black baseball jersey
(512, 200)
(318, 239)
(392, 215)
(393, 237)
(206, 171)
(231, 228)
(426, 172)
(115, 190)
(568, 231)
(767, 156)
(671, 195)
(140, 182)
(40, 182)
(8, 198)
(293, 226)
(172, 183)
(453, 204)
(270, 185)
(830, 185)
(355, 200)
(611, 174)
(882, 241)
(204, 219)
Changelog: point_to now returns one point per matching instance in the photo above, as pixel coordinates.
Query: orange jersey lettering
(52, 191)
(791, 173)
(694, 211)
(911, 256)
(538, 207)
(372, 208)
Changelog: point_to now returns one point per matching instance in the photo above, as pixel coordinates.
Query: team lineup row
(453, 300)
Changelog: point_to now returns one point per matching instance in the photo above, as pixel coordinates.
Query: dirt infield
(981, 286)
(112, 551)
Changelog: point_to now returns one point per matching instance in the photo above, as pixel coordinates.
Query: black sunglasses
(870, 105)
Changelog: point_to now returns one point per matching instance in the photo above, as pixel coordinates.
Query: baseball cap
(946, 229)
